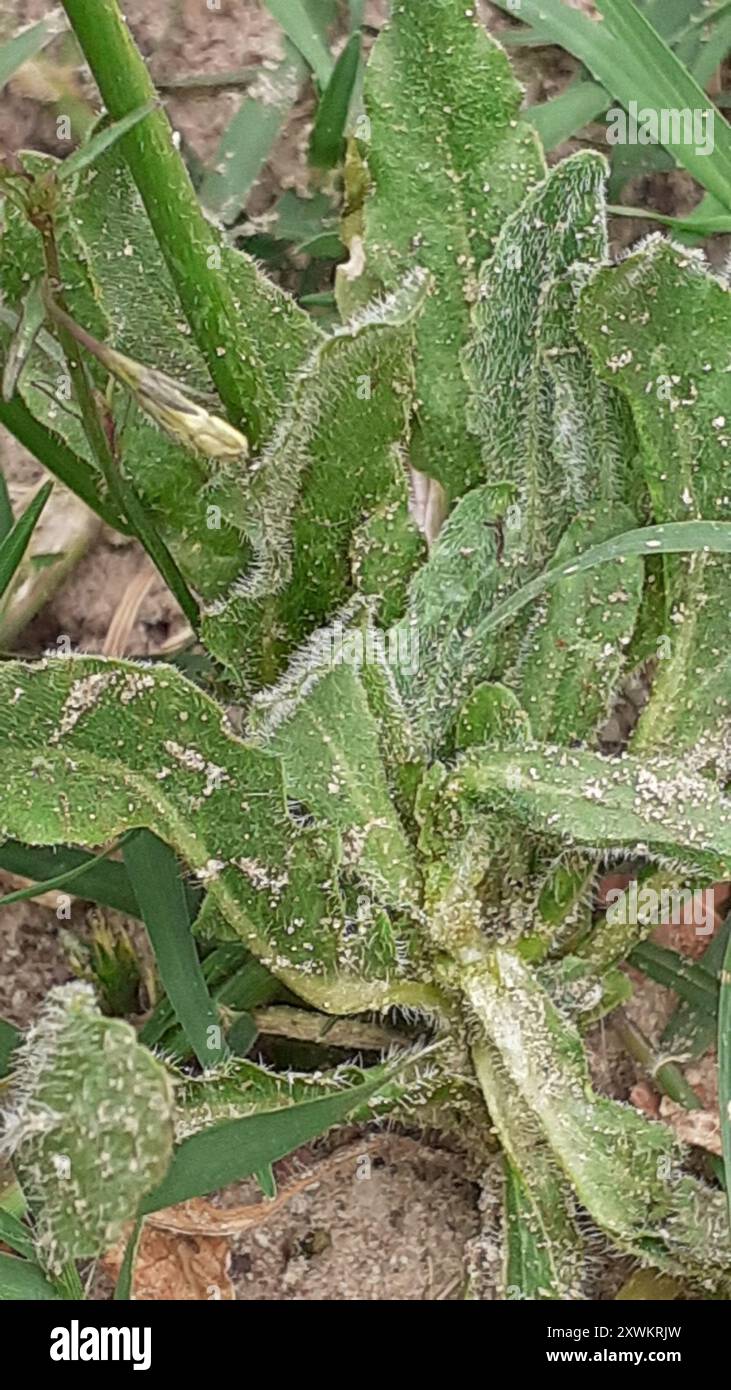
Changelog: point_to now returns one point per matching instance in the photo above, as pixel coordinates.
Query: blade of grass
(674, 538)
(21, 1280)
(23, 47)
(559, 119)
(105, 883)
(247, 142)
(328, 134)
(59, 460)
(103, 140)
(690, 1030)
(693, 225)
(687, 978)
(16, 1235)
(307, 36)
(6, 510)
(30, 322)
(627, 57)
(16, 542)
(235, 1149)
(159, 889)
(35, 890)
(724, 1065)
(123, 1286)
(653, 76)
(9, 1039)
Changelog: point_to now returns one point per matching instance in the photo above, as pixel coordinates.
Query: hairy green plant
(455, 523)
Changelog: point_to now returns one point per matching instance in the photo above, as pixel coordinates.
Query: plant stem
(188, 242)
(668, 1076)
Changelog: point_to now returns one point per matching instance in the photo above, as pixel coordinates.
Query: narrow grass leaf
(559, 119)
(16, 1235)
(688, 979)
(30, 321)
(102, 141)
(123, 1286)
(310, 38)
(326, 144)
(16, 542)
(674, 538)
(248, 140)
(23, 47)
(105, 882)
(35, 890)
(724, 1065)
(159, 889)
(231, 1151)
(9, 1039)
(6, 510)
(58, 459)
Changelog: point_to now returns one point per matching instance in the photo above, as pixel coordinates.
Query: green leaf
(326, 141)
(158, 887)
(6, 510)
(92, 748)
(16, 542)
(691, 1029)
(21, 1280)
(542, 1248)
(448, 161)
(575, 648)
(724, 1067)
(560, 222)
(559, 119)
(24, 46)
(89, 1125)
(16, 1234)
(319, 723)
(90, 152)
(228, 1152)
(658, 806)
(650, 74)
(250, 136)
(671, 365)
(70, 875)
(307, 34)
(334, 459)
(9, 1039)
(623, 1168)
(29, 323)
(674, 538)
(448, 597)
(74, 472)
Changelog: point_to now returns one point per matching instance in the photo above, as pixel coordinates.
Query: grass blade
(16, 1235)
(688, 979)
(326, 143)
(59, 460)
(23, 47)
(690, 1031)
(103, 140)
(159, 889)
(674, 538)
(123, 1286)
(230, 1151)
(6, 510)
(247, 142)
(693, 225)
(106, 883)
(21, 1280)
(16, 542)
(310, 39)
(9, 1039)
(559, 119)
(29, 324)
(36, 890)
(724, 1065)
